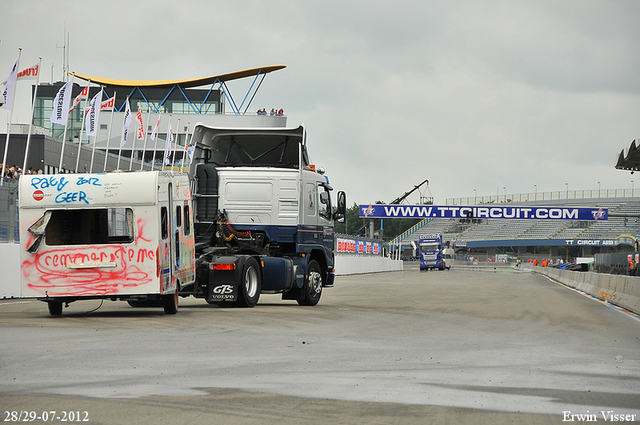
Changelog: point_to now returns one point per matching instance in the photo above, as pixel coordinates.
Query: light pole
(505, 193)
(632, 188)
(475, 199)
(567, 184)
(535, 187)
(598, 189)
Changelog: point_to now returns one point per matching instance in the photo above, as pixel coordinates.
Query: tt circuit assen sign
(499, 212)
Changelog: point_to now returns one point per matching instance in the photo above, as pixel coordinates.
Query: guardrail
(545, 196)
(623, 291)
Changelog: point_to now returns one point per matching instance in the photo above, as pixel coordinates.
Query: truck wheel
(250, 284)
(55, 308)
(312, 285)
(170, 302)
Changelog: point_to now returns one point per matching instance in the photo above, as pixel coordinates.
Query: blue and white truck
(434, 254)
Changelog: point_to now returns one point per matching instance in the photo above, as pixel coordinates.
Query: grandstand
(529, 238)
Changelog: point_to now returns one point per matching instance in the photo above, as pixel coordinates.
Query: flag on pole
(126, 124)
(91, 120)
(140, 124)
(10, 86)
(167, 149)
(61, 104)
(84, 94)
(30, 73)
(108, 104)
(155, 129)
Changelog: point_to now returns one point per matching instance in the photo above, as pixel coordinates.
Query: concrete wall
(345, 265)
(357, 264)
(10, 266)
(623, 291)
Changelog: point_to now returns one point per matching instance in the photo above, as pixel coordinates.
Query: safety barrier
(10, 264)
(350, 264)
(623, 291)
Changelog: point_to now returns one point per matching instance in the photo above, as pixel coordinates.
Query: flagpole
(135, 139)
(164, 156)
(133, 145)
(186, 146)
(66, 123)
(125, 141)
(173, 160)
(144, 148)
(106, 153)
(153, 161)
(33, 108)
(82, 129)
(95, 138)
(13, 98)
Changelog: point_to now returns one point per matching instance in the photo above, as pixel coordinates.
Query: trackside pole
(106, 153)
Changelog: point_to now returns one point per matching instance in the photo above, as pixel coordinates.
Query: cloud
(470, 95)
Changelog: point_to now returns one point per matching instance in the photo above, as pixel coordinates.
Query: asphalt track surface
(452, 347)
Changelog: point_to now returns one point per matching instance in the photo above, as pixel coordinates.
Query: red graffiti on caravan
(88, 270)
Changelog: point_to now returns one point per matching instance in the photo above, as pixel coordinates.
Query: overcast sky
(482, 95)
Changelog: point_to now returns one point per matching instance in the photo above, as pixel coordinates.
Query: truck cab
(430, 247)
(264, 216)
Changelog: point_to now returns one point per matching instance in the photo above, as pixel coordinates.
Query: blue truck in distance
(431, 252)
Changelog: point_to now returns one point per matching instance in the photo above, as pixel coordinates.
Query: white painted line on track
(16, 302)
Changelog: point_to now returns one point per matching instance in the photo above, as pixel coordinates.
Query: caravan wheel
(170, 302)
(55, 308)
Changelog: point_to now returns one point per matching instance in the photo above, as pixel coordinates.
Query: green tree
(392, 227)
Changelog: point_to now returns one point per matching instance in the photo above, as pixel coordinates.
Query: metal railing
(545, 196)
(408, 232)
(9, 230)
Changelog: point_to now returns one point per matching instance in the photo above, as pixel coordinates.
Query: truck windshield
(429, 247)
(90, 226)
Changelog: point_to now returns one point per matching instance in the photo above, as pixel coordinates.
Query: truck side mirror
(341, 209)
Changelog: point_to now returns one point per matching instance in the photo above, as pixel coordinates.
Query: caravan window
(187, 225)
(178, 216)
(164, 223)
(90, 227)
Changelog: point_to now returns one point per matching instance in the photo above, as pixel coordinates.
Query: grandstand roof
(184, 83)
(629, 159)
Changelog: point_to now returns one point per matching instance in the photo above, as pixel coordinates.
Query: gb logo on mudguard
(223, 289)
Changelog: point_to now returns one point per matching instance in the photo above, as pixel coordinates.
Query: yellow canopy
(193, 82)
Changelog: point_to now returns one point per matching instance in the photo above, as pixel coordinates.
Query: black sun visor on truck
(253, 147)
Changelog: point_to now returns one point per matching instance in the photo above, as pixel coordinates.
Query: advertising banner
(352, 246)
(481, 211)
